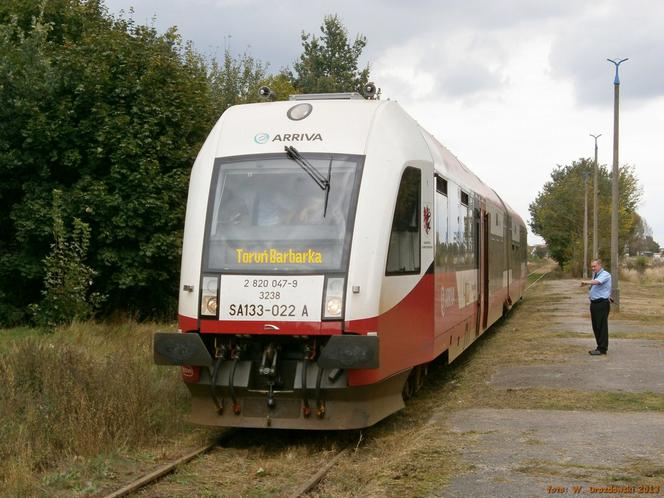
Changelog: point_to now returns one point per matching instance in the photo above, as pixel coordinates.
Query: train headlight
(210, 305)
(209, 298)
(333, 307)
(334, 298)
(299, 112)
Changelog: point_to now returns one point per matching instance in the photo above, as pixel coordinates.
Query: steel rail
(168, 468)
(303, 489)
(318, 476)
(537, 280)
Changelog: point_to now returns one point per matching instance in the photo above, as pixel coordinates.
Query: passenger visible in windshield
(295, 203)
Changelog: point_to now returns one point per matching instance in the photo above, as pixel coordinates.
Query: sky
(512, 87)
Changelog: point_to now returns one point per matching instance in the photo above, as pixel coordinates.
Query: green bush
(640, 264)
(68, 279)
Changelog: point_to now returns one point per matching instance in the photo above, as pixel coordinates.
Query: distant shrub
(641, 263)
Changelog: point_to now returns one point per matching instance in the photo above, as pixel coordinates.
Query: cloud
(618, 30)
(513, 87)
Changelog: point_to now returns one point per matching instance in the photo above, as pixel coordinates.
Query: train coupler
(271, 403)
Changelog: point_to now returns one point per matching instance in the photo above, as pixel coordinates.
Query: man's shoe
(595, 352)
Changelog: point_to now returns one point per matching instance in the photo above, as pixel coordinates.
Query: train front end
(265, 272)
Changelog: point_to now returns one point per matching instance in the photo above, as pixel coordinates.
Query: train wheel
(421, 372)
(409, 386)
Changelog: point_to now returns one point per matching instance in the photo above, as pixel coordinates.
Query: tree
(280, 84)
(330, 63)
(236, 81)
(557, 212)
(112, 114)
(641, 239)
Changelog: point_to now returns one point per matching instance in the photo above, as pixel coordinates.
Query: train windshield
(268, 214)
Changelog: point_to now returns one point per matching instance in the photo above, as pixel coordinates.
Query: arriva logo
(297, 137)
(262, 138)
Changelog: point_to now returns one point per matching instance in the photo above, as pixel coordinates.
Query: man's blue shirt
(603, 289)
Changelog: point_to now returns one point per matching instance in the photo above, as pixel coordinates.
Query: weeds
(653, 275)
(85, 390)
(67, 278)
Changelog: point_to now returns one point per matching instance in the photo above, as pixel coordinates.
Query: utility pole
(595, 201)
(615, 180)
(585, 224)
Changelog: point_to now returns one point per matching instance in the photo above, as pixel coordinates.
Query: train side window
(403, 255)
(464, 198)
(441, 185)
(441, 217)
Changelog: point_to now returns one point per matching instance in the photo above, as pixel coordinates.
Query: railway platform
(583, 425)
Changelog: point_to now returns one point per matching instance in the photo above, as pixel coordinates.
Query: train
(332, 249)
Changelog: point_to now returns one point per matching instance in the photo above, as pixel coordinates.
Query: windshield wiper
(316, 176)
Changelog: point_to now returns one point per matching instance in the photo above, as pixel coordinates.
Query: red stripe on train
(414, 331)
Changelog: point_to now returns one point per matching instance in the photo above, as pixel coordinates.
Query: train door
(477, 236)
(406, 324)
(485, 268)
(445, 286)
(508, 260)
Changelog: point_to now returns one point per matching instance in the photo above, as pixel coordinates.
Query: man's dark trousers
(599, 315)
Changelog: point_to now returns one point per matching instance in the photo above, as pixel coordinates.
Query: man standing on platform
(600, 303)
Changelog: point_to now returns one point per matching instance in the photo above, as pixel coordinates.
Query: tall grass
(652, 275)
(84, 390)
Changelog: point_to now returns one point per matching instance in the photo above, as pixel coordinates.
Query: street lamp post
(585, 224)
(595, 201)
(615, 180)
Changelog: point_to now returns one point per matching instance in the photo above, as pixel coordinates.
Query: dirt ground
(525, 412)
(528, 413)
(615, 450)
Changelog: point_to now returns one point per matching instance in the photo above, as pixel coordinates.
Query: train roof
(336, 124)
(447, 164)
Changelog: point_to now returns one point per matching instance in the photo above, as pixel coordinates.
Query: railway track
(153, 477)
(544, 270)
(159, 473)
(537, 279)
(301, 490)
(311, 484)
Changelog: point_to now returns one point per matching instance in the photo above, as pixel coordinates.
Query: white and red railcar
(332, 248)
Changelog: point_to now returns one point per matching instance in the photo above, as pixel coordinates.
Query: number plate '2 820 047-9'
(266, 297)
